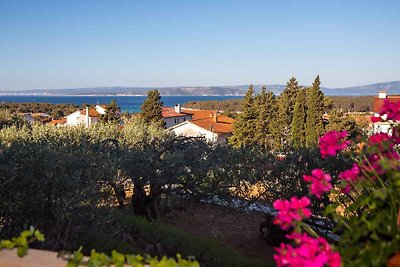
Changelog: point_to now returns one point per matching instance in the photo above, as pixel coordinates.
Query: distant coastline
(392, 87)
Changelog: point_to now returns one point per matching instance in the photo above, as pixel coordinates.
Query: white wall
(74, 119)
(172, 121)
(191, 130)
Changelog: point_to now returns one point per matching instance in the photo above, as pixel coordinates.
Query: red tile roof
(169, 112)
(58, 122)
(378, 102)
(216, 127)
(92, 113)
(206, 119)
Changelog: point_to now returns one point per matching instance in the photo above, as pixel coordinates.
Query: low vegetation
(56, 111)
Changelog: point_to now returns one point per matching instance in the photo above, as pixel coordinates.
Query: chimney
(215, 117)
(382, 94)
(178, 108)
(87, 118)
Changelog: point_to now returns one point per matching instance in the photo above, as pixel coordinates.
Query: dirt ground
(235, 228)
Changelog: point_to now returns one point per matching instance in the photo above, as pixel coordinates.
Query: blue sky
(67, 44)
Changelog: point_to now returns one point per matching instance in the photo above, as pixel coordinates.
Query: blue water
(127, 103)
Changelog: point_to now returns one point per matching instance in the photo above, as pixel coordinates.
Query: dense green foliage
(339, 121)
(315, 111)
(299, 120)
(112, 113)
(11, 119)
(152, 108)
(344, 103)
(293, 120)
(266, 130)
(245, 123)
(56, 111)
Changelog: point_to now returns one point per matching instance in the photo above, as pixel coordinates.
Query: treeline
(56, 111)
(344, 103)
(295, 119)
(352, 103)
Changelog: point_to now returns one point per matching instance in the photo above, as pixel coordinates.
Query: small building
(174, 115)
(383, 127)
(215, 128)
(58, 123)
(85, 117)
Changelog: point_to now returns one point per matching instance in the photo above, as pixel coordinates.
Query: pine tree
(266, 106)
(152, 108)
(315, 111)
(299, 121)
(244, 129)
(112, 113)
(339, 121)
(286, 104)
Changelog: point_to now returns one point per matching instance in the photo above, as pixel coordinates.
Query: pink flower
(320, 182)
(376, 119)
(332, 142)
(378, 138)
(290, 212)
(391, 109)
(307, 251)
(349, 176)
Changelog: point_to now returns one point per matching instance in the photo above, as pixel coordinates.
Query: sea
(129, 104)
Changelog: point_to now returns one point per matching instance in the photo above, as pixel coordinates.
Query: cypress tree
(266, 106)
(112, 113)
(244, 127)
(286, 104)
(315, 111)
(152, 108)
(299, 121)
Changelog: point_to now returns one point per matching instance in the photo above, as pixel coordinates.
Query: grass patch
(207, 251)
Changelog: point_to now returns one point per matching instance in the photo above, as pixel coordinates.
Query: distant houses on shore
(209, 124)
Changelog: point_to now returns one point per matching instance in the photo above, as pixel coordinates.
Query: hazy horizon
(188, 86)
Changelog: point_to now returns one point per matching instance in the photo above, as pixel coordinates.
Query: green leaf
(39, 236)
(7, 244)
(22, 251)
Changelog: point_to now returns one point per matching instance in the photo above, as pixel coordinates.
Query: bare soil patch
(238, 229)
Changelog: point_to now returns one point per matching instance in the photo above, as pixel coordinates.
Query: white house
(85, 117)
(214, 128)
(174, 116)
(383, 127)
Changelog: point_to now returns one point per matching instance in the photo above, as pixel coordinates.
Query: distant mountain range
(370, 89)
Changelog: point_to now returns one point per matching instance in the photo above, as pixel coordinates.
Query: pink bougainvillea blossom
(375, 119)
(391, 110)
(290, 212)
(378, 138)
(307, 251)
(349, 176)
(320, 182)
(332, 142)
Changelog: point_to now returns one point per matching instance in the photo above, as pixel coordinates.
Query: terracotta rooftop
(92, 113)
(206, 119)
(216, 127)
(58, 122)
(169, 112)
(378, 102)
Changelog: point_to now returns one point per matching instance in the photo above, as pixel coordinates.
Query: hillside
(370, 89)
